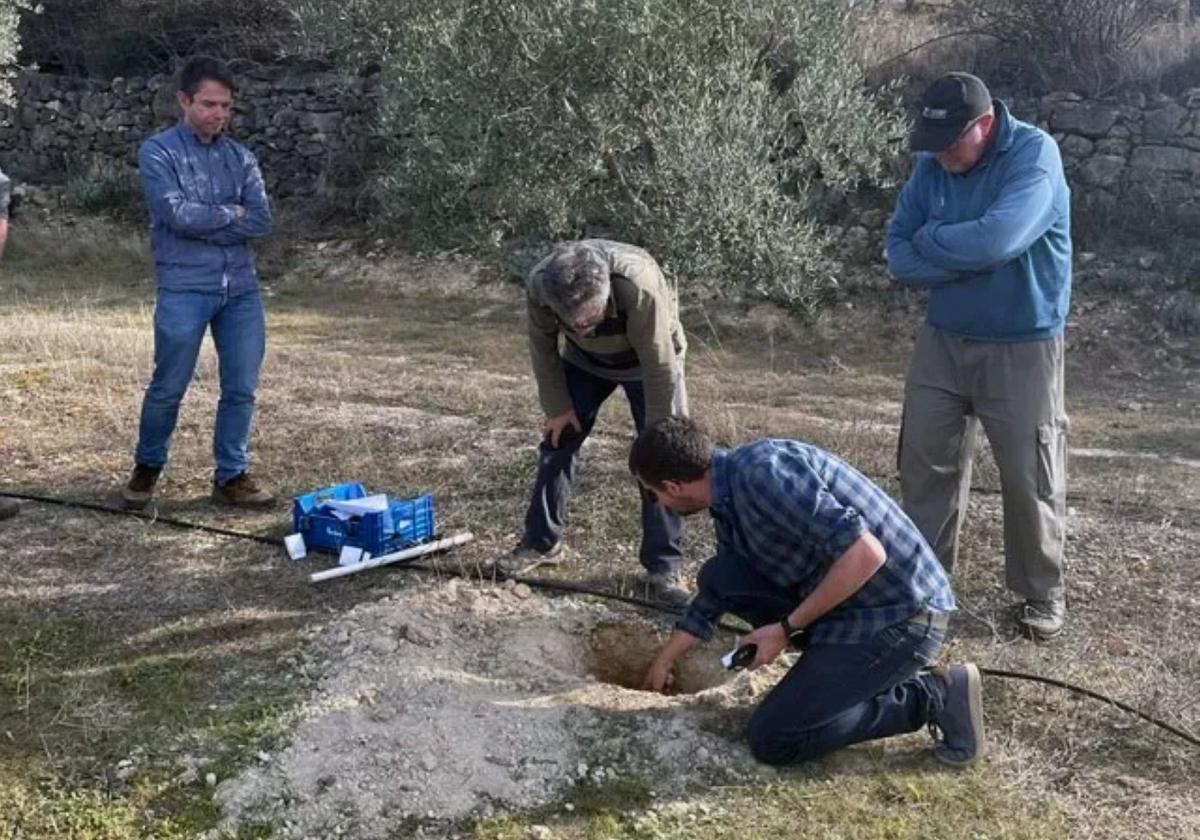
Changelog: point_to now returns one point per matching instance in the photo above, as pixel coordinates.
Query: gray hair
(574, 278)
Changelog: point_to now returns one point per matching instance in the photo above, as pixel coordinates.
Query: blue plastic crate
(407, 521)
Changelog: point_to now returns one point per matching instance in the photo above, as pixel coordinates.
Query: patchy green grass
(886, 801)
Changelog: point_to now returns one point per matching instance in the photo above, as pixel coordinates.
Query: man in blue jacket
(207, 200)
(984, 223)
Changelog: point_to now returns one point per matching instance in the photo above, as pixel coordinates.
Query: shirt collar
(1004, 134)
(720, 483)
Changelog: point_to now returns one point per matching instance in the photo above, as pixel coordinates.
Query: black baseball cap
(947, 106)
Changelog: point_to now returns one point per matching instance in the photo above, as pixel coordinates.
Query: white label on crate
(296, 548)
(350, 556)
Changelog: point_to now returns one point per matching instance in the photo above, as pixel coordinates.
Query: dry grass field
(137, 659)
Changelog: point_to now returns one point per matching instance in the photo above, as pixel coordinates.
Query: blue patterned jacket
(191, 189)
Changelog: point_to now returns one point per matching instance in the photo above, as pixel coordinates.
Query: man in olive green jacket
(619, 321)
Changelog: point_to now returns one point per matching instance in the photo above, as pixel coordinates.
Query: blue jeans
(239, 333)
(836, 694)
(546, 517)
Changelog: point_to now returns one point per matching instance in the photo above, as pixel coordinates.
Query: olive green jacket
(639, 339)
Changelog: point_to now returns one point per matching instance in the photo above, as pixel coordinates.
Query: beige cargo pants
(1016, 392)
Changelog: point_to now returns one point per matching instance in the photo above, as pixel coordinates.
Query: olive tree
(705, 130)
(10, 20)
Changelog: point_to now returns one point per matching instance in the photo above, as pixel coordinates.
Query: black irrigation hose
(580, 589)
(145, 517)
(1086, 692)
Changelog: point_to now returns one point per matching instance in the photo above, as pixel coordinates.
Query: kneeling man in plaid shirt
(810, 552)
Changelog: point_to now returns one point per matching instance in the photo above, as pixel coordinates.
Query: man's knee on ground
(769, 745)
(766, 742)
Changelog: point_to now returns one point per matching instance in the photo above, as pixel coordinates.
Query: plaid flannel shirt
(790, 510)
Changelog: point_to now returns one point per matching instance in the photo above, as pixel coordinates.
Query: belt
(932, 619)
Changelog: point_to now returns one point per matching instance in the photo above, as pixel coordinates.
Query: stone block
(1061, 96)
(1090, 119)
(164, 105)
(1113, 146)
(1165, 160)
(1072, 145)
(1163, 123)
(1101, 171)
(324, 122)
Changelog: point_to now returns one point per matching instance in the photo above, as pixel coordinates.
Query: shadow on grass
(129, 654)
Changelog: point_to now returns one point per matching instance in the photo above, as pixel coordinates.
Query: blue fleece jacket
(994, 244)
(192, 188)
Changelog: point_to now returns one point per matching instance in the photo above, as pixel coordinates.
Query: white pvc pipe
(395, 557)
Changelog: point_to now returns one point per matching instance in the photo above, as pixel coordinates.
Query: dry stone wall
(309, 127)
(1136, 149)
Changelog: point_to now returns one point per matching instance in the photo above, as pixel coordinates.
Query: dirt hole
(621, 651)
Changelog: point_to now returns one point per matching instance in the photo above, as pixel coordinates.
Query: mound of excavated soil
(455, 699)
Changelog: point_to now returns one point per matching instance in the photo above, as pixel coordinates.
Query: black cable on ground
(1086, 692)
(145, 517)
(579, 589)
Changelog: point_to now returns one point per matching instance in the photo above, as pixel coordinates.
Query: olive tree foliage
(705, 130)
(10, 21)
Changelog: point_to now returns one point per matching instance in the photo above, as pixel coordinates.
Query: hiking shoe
(242, 491)
(668, 588)
(1043, 619)
(8, 508)
(523, 559)
(958, 728)
(140, 488)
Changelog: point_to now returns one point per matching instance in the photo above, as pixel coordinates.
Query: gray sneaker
(523, 559)
(1043, 619)
(668, 587)
(958, 728)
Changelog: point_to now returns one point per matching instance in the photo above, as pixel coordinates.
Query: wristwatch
(788, 629)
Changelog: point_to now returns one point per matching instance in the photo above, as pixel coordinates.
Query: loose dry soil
(456, 699)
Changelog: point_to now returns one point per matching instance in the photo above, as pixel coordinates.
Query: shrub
(705, 130)
(1077, 44)
(10, 19)
(105, 189)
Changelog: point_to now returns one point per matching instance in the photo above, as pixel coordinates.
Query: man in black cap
(984, 223)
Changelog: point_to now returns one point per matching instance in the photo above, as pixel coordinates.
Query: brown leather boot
(242, 491)
(140, 489)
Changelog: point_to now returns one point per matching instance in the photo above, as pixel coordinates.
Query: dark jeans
(836, 694)
(546, 518)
